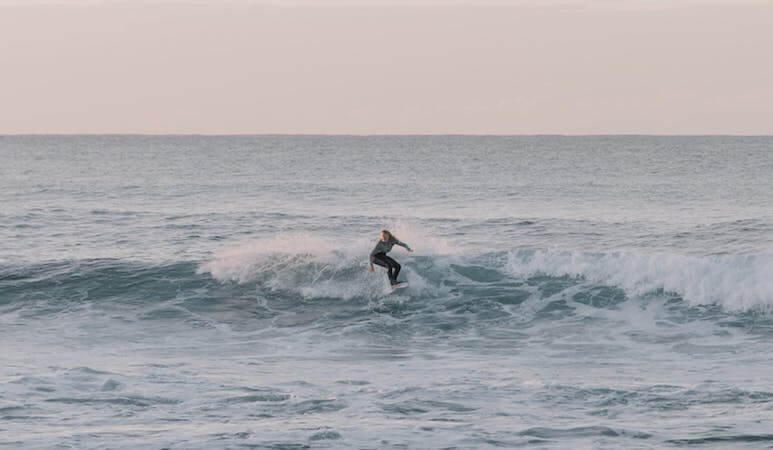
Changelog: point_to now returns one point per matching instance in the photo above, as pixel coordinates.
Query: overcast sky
(399, 67)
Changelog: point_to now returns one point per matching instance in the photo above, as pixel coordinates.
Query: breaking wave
(312, 267)
(303, 270)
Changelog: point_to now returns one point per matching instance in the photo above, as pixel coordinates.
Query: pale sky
(386, 67)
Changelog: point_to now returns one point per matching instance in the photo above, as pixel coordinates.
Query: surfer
(379, 255)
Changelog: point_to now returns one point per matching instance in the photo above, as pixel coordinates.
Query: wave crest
(735, 282)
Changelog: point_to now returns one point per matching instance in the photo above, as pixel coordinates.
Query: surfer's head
(386, 235)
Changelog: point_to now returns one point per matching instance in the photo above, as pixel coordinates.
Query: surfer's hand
(371, 267)
(410, 249)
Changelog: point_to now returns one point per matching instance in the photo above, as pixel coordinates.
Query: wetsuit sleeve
(402, 244)
(373, 253)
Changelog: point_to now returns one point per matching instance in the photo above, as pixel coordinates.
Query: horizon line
(2, 135)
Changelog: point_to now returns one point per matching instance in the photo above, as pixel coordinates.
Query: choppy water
(565, 292)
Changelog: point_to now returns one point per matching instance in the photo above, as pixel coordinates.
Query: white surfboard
(400, 285)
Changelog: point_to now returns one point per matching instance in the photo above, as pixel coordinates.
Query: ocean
(214, 292)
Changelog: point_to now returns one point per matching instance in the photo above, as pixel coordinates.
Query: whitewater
(214, 292)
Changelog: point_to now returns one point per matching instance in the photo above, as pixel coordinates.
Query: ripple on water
(580, 432)
(317, 406)
(138, 401)
(268, 396)
(724, 440)
(416, 406)
(325, 435)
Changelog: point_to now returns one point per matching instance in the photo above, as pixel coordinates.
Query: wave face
(194, 292)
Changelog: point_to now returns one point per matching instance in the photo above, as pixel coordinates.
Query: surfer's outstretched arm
(404, 245)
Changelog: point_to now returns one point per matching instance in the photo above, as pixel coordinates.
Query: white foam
(736, 282)
(244, 262)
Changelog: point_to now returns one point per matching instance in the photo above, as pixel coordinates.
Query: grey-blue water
(214, 292)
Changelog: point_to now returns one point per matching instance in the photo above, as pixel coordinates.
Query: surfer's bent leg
(381, 260)
(397, 269)
(377, 259)
(394, 268)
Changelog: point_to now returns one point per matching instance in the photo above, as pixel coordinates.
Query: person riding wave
(379, 255)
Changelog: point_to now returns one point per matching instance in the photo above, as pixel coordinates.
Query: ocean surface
(214, 292)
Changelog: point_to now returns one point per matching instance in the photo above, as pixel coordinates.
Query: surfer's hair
(389, 234)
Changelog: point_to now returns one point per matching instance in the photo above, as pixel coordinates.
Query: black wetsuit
(379, 256)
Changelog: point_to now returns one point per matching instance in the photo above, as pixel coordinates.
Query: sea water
(214, 292)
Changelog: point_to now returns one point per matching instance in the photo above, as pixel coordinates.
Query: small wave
(579, 432)
(410, 407)
(724, 440)
(138, 401)
(262, 396)
(325, 435)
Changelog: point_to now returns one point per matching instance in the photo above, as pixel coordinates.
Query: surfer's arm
(404, 245)
(370, 258)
